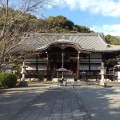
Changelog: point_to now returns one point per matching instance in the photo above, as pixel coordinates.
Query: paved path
(49, 102)
(41, 103)
(12, 101)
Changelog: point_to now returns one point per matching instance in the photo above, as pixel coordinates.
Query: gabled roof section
(85, 41)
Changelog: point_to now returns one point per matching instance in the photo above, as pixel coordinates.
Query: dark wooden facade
(76, 62)
(78, 53)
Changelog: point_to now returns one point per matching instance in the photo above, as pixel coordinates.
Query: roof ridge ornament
(62, 37)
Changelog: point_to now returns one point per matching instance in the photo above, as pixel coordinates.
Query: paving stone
(60, 103)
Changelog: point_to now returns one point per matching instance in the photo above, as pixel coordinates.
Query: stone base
(102, 83)
(23, 84)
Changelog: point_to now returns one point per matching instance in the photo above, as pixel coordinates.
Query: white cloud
(108, 29)
(105, 8)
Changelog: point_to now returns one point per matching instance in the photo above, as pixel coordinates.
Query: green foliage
(63, 25)
(28, 22)
(8, 79)
(59, 22)
(112, 40)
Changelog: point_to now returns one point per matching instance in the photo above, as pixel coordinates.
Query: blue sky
(99, 15)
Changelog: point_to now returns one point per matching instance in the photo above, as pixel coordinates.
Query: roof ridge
(84, 34)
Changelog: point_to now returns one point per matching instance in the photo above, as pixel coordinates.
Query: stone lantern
(23, 72)
(102, 73)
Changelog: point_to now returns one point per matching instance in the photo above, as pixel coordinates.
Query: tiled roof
(85, 41)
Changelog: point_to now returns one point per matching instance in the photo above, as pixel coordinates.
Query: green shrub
(8, 79)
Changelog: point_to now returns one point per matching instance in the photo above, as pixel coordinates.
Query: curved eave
(62, 41)
(83, 43)
(107, 51)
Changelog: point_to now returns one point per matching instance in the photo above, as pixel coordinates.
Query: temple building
(76, 52)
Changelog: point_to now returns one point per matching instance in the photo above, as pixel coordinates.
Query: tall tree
(12, 12)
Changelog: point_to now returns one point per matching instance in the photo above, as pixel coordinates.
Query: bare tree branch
(8, 34)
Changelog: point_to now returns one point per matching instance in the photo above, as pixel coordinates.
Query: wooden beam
(78, 66)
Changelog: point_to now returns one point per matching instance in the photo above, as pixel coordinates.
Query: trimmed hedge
(8, 79)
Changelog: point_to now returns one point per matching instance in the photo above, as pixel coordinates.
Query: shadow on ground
(100, 103)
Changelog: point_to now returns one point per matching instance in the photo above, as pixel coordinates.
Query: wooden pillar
(89, 67)
(47, 66)
(78, 66)
(89, 64)
(37, 64)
